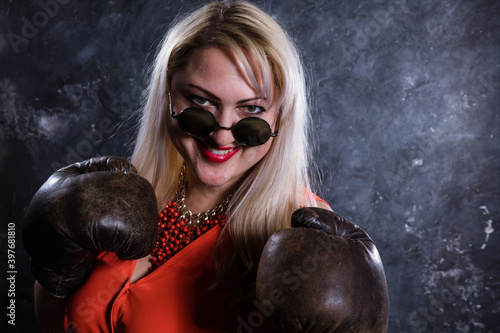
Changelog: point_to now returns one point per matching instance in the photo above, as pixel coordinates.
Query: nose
(222, 135)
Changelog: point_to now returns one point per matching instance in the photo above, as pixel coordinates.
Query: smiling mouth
(219, 154)
(220, 151)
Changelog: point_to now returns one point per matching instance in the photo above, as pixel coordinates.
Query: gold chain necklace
(195, 219)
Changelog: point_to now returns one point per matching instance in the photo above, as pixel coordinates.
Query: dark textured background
(406, 106)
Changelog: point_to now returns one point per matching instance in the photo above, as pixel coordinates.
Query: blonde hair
(279, 183)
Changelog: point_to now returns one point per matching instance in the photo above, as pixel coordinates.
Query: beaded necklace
(178, 226)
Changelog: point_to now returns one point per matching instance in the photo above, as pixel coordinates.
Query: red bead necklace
(175, 233)
(178, 226)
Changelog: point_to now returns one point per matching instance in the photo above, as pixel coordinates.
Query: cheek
(260, 151)
(177, 136)
(172, 127)
(174, 131)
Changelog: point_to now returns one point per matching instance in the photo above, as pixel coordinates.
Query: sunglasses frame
(271, 134)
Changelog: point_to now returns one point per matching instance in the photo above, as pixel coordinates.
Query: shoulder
(323, 204)
(319, 201)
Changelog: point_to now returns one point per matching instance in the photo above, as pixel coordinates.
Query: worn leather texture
(322, 275)
(100, 204)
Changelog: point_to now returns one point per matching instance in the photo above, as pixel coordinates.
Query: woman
(223, 140)
(208, 60)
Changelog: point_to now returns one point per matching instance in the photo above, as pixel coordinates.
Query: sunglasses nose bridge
(223, 136)
(223, 127)
(225, 117)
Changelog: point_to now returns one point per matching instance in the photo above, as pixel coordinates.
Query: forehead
(223, 66)
(215, 62)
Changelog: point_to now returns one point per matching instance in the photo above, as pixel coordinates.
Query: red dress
(175, 297)
(172, 298)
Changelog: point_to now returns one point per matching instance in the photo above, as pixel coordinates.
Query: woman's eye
(200, 100)
(253, 109)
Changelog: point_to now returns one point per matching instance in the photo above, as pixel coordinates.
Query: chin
(213, 175)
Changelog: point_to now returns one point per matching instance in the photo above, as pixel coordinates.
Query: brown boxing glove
(85, 208)
(322, 275)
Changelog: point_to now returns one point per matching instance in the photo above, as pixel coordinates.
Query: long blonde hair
(279, 183)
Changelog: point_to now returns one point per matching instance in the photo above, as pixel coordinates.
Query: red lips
(221, 156)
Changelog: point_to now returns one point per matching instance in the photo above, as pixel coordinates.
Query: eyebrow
(217, 99)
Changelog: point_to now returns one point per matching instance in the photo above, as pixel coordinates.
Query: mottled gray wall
(406, 106)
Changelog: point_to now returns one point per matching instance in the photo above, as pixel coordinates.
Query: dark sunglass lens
(197, 121)
(252, 131)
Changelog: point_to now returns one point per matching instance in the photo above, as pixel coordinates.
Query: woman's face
(216, 80)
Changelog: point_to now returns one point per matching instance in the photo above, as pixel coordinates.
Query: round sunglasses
(250, 131)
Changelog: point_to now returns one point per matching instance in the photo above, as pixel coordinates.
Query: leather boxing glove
(83, 209)
(322, 275)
